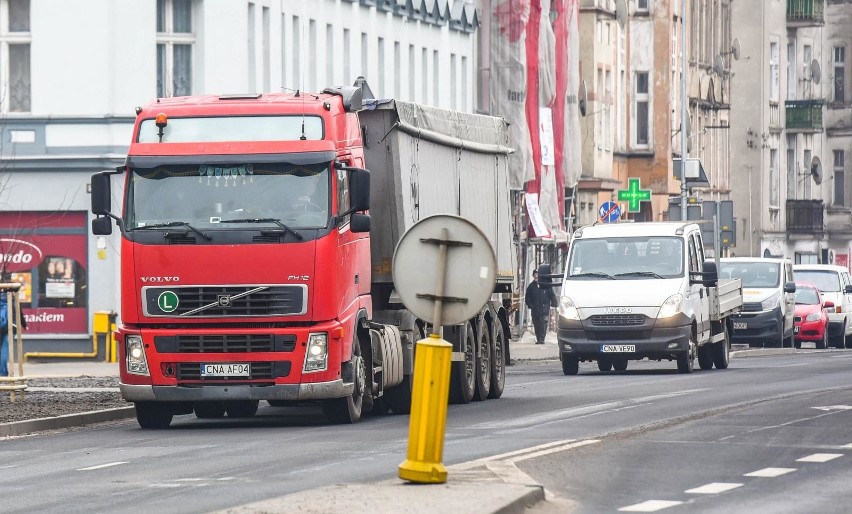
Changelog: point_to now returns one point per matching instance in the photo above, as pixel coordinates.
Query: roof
(650, 228)
(819, 267)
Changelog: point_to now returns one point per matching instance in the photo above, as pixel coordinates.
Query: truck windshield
(753, 274)
(626, 258)
(207, 195)
(233, 128)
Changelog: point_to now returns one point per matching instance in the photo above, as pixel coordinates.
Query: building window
(806, 183)
(397, 70)
(839, 74)
(773, 72)
(175, 41)
(774, 185)
(608, 111)
(807, 55)
(329, 50)
(642, 101)
(839, 178)
(312, 63)
(252, 45)
(642, 5)
(791, 71)
(411, 73)
(464, 83)
(265, 50)
(365, 55)
(424, 73)
(792, 176)
(436, 82)
(296, 33)
(382, 65)
(347, 59)
(15, 95)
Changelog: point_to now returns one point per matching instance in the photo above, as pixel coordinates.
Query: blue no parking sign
(609, 212)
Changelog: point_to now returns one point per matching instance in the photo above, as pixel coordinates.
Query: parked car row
(785, 305)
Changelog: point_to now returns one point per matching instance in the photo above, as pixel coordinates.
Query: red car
(811, 320)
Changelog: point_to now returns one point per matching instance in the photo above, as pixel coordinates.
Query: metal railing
(803, 114)
(805, 217)
(806, 11)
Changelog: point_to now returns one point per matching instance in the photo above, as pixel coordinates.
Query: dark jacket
(540, 299)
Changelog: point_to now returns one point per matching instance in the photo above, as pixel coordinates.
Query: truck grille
(618, 320)
(225, 301)
(225, 343)
(191, 371)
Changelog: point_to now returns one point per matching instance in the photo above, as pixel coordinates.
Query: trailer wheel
(462, 376)
(483, 361)
(153, 415)
(209, 410)
(705, 357)
(498, 359)
(241, 408)
(722, 350)
(348, 409)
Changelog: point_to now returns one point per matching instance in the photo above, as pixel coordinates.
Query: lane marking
(650, 506)
(478, 462)
(557, 449)
(713, 488)
(833, 407)
(820, 457)
(166, 486)
(101, 466)
(770, 472)
(847, 446)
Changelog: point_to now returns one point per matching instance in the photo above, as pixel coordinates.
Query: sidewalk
(525, 348)
(81, 368)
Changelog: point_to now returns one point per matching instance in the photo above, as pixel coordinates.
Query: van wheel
(722, 350)
(705, 358)
(604, 364)
(620, 364)
(686, 360)
(570, 365)
(840, 340)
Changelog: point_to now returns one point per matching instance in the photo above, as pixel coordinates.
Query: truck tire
(241, 408)
(604, 364)
(499, 350)
(153, 415)
(209, 410)
(705, 357)
(722, 350)
(348, 409)
(570, 365)
(462, 379)
(482, 372)
(399, 397)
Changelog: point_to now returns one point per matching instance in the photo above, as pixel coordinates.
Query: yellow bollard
(428, 412)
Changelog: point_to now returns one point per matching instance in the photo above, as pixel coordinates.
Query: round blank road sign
(471, 269)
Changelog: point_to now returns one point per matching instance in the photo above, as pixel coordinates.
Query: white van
(835, 286)
(769, 302)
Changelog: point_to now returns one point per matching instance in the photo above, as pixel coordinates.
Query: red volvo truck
(256, 251)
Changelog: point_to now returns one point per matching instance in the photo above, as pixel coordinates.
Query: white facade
(91, 64)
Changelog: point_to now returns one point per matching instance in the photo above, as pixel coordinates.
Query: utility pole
(683, 110)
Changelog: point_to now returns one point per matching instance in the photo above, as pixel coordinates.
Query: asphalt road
(603, 441)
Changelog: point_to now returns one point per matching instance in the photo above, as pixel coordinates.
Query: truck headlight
(814, 316)
(771, 302)
(567, 309)
(671, 306)
(316, 357)
(137, 363)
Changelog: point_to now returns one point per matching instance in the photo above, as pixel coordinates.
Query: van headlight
(671, 306)
(316, 356)
(567, 309)
(136, 362)
(771, 302)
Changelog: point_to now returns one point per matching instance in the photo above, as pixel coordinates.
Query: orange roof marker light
(162, 120)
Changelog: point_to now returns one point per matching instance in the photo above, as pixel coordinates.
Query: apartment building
(71, 74)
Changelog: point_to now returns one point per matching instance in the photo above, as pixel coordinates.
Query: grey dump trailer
(425, 161)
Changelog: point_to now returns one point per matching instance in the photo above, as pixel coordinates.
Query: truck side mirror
(359, 222)
(102, 226)
(790, 287)
(359, 190)
(101, 194)
(848, 289)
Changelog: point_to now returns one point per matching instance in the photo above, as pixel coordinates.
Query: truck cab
(642, 290)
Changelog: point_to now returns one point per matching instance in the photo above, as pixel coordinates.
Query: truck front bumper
(298, 392)
(655, 339)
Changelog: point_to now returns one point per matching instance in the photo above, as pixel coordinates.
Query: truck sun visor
(296, 158)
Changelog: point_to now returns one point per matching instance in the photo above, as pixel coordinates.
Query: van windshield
(626, 258)
(753, 274)
(826, 281)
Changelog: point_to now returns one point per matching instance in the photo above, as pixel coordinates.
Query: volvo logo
(618, 310)
(160, 279)
(224, 300)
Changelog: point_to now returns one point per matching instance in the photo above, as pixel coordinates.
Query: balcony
(803, 115)
(805, 217)
(805, 13)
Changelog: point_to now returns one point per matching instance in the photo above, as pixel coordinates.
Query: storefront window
(47, 253)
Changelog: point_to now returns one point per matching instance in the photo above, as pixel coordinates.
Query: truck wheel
(498, 359)
(604, 364)
(686, 360)
(209, 410)
(241, 408)
(570, 365)
(619, 364)
(705, 357)
(153, 415)
(483, 361)
(399, 397)
(348, 409)
(722, 350)
(462, 380)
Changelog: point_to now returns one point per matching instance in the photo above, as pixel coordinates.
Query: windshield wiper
(175, 224)
(640, 274)
(593, 274)
(265, 220)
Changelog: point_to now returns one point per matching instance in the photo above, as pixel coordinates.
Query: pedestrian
(4, 336)
(539, 299)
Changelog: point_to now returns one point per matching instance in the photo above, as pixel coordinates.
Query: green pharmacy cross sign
(634, 195)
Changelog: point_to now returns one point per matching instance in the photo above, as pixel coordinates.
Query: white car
(835, 285)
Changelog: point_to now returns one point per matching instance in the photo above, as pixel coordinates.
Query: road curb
(762, 352)
(65, 421)
(520, 505)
